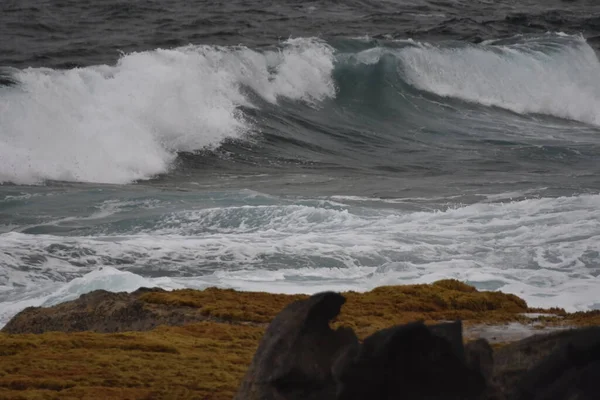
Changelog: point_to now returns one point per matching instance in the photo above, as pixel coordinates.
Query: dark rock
(301, 357)
(480, 356)
(514, 360)
(295, 357)
(453, 333)
(408, 362)
(568, 372)
(586, 386)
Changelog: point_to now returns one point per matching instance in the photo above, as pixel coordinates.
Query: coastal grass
(207, 360)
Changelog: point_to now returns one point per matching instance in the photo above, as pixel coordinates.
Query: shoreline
(114, 345)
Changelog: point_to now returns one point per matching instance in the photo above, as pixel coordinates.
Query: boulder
(102, 311)
(409, 362)
(569, 372)
(301, 357)
(479, 356)
(295, 356)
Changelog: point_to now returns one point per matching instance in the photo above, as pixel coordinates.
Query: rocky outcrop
(102, 311)
(366, 313)
(294, 358)
(413, 361)
(570, 371)
(210, 337)
(301, 357)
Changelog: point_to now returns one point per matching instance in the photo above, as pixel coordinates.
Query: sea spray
(554, 75)
(117, 124)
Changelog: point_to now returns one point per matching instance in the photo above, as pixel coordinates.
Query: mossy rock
(207, 360)
(365, 312)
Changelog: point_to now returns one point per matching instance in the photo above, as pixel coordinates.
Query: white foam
(116, 124)
(554, 75)
(104, 278)
(544, 250)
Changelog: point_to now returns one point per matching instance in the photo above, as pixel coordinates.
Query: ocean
(298, 147)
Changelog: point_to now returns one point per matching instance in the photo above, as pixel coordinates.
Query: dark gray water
(298, 147)
(64, 34)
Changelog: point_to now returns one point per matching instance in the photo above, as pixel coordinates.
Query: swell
(404, 106)
(100, 30)
(552, 74)
(360, 103)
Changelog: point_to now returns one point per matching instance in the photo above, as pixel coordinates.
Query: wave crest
(554, 75)
(116, 124)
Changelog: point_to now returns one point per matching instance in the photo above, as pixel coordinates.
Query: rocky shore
(440, 341)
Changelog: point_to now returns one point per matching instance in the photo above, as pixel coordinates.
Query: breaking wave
(116, 124)
(127, 122)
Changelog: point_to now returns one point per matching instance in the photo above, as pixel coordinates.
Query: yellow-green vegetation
(199, 361)
(364, 312)
(441, 301)
(207, 360)
(226, 304)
